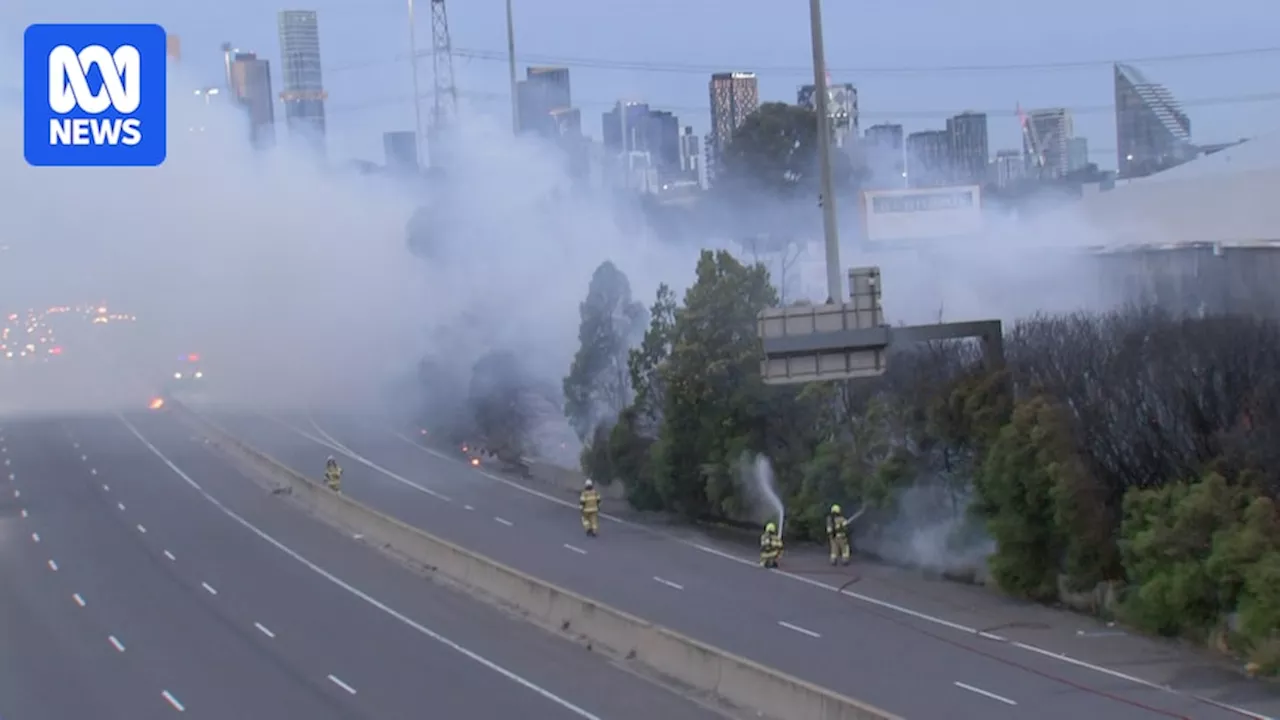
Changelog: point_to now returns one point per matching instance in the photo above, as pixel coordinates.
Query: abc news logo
(95, 95)
(69, 90)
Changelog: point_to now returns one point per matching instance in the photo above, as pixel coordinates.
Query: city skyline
(1066, 149)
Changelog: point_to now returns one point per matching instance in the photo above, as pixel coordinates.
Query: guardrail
(732, 679)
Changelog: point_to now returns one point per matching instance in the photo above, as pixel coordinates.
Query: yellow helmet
(770, 528)
(835, 509)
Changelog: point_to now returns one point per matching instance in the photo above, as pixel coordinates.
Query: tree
(643, 362)
(715, 406)
(598, 386)
(775, 152)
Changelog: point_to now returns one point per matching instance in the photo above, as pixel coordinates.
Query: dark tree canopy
(775, 151)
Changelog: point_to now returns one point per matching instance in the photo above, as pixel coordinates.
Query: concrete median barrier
(729, 678)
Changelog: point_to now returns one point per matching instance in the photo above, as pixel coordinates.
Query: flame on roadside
(156, 403)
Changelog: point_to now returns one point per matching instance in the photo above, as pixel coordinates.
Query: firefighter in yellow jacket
(838, 536)
(770, 546)
(333, 475)
(589, 502)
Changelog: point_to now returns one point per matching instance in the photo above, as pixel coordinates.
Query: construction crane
(1031, 141)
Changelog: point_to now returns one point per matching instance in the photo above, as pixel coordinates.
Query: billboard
(922, 213)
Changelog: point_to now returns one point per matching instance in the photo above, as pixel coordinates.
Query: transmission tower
(445, 97)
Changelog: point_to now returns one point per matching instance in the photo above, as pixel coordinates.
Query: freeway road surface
(917, 666)
(143, 577)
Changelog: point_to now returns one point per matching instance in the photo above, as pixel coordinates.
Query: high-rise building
(624, 128)
(634, 127)
(400, 147)
(303, 93)
(1052, 127)
(842, 109)
(884, 155)
(1152, 131)
(929, 158)
(250, 83)
(967, 137)
(1077, 154)
(734, 96)
(1011, 167)
(544, 91)
(690, 154)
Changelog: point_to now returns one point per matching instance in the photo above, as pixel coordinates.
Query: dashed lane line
(353, 590)
(986, 694)
(168, 696)
(797, 628)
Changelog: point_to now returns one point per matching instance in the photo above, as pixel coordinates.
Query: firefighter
(770, 546)
(333, 475)
(589, 502)
(838, 536)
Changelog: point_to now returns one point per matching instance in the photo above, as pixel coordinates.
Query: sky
(662, 52)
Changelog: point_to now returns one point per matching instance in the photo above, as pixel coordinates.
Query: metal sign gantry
(814, 343)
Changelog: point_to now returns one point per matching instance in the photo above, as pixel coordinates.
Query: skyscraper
(884, 155)
(544, 91)
(842, 109)
(624, 128)
(1077, 154)
(690, 154)
(1051, 128)
(250, 84)
(1152, 131)
(967, 137)
(734, 96)
(400, 147)
(303, 93)
(929, 158)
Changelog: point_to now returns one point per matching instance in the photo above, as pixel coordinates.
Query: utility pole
(511, 68)
(830, 231)
(417, 103)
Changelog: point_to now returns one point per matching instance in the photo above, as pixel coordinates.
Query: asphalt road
(917, 667)
(143, 576)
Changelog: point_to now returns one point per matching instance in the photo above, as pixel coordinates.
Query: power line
(698, 69)
(872, 114)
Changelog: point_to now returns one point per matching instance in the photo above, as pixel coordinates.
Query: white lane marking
(120, 505)
(11, 476)
(75, 445)
(142, 529)
(93, 471)
(329, 442)
(6, 461)
(797, 628)
(337, 681)
(119, 646)
(35, 537)
(467, 507)
(169, 555)
(84, 457)
(263, 629)
(209, 588)
(357, 536)
(17, 493)
(984, 693)
(576, 549)
(24, 512)
(173, 701)
(79, 600)
(668, 583)
(106, 487)
(406, 620)
(504, 521)
(53, 565)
